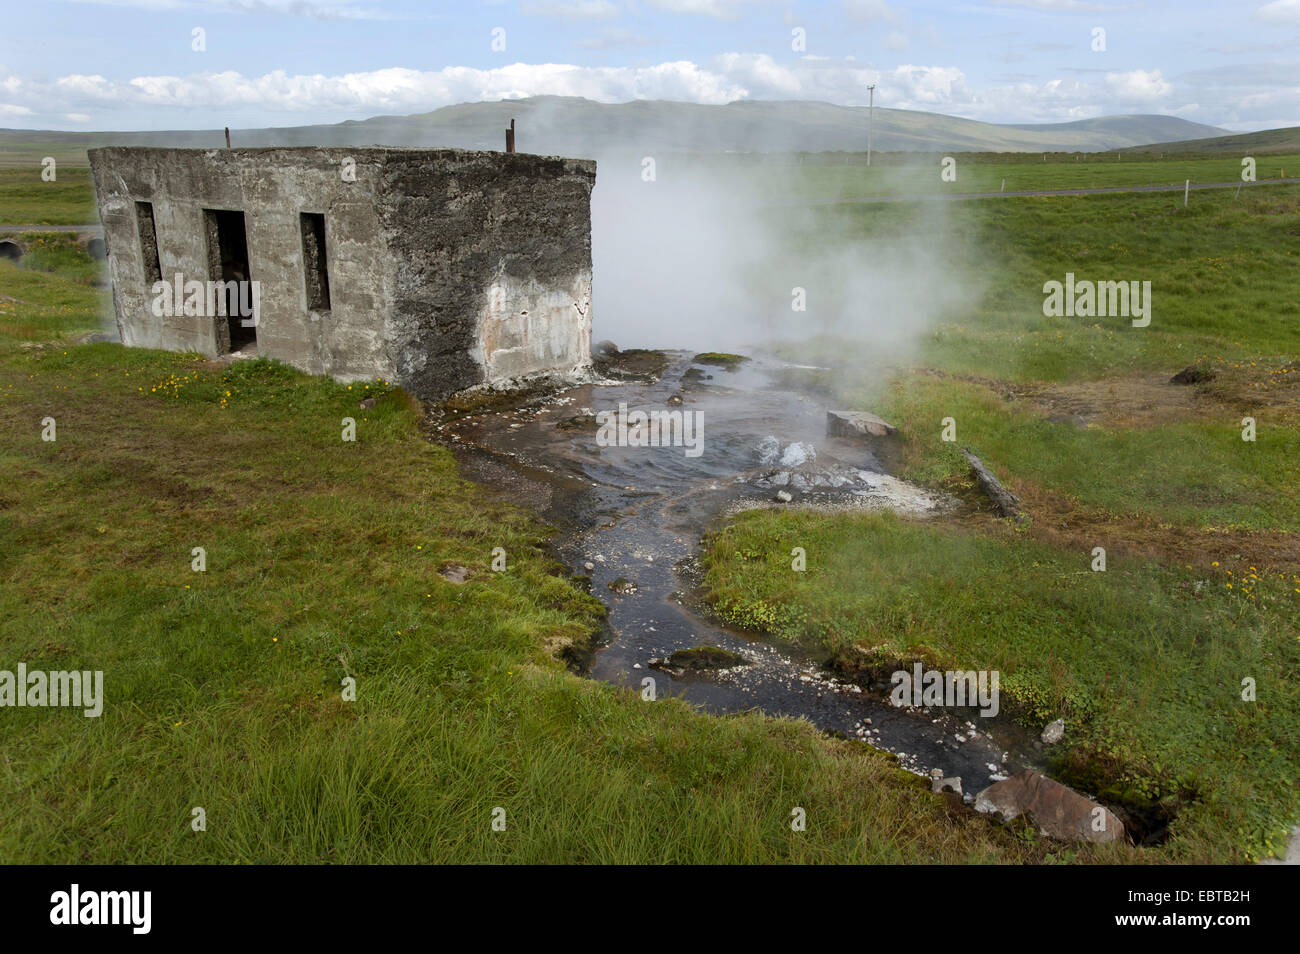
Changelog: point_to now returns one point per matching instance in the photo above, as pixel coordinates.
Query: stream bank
(631, 521)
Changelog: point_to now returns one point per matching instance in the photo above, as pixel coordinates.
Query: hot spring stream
(637, 514)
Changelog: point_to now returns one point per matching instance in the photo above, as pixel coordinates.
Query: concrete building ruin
(439, 269)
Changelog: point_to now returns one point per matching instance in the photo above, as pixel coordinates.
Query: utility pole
(871, 115)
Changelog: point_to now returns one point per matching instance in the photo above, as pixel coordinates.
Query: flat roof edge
(337, 150)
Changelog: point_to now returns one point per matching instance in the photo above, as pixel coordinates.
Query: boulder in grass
(1053, 732)
(454, 573)
(938, 783)
(1057, 810)
(857, 424)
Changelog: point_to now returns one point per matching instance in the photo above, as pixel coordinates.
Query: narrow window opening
(228, 263)
(148, 242)
(315, 266)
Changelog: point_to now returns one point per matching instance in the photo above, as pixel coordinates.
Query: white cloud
(1285, 12)
(10, 109)
(1138, 85)
(276, 98)
(392, 89)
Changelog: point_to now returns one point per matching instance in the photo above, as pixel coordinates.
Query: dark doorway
(228, 262)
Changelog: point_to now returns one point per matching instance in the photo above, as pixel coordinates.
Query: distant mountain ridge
(1262, 143)
(573, 126)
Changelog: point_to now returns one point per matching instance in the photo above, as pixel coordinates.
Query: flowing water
(633, 516)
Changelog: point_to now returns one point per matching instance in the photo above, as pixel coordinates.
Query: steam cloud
(707, 256)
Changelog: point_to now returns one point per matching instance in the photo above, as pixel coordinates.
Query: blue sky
(130, 64)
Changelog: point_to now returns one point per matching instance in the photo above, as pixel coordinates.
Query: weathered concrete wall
(494, 265)
(271, 187)
(447, 268)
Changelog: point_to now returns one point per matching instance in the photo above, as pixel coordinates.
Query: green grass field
(1202, 588)
(27, 199)
(1145, 660)
(224, 688)
(1223, 294)
(835, 176)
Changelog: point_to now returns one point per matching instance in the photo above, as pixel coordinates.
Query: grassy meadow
(1201, 589)
(837, 175)
(27, 199)
(224, 687)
